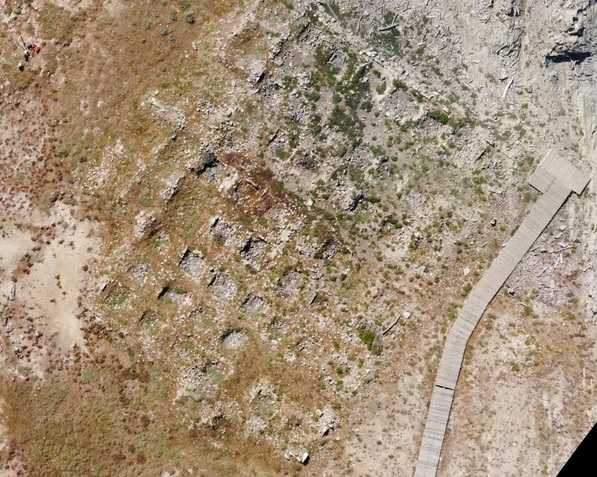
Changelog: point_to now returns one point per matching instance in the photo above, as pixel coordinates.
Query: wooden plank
(564, 172)
(541, 179)
(439, 412)
(556, 181)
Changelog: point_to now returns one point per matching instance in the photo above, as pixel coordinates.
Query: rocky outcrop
(578, 40)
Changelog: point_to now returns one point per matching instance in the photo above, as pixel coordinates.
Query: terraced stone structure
(556, 178)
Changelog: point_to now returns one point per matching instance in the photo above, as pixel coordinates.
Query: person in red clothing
(33, 46)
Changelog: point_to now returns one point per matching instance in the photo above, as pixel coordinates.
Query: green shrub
(370, 339)
(313, 96)
(209, 160)
(117, 298)
(377, 151)
(367, 106)
(439, 116)
(400, 85)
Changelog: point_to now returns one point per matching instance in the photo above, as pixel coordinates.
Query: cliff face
(540, 52)
(547, 49)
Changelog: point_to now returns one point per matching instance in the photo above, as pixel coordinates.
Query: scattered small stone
(234, 339)
(256, 425)
(223, 287)
(327, 421)
(252, 303)
(140, 270)
(299, 454)
(355, 200)
(192, 264)
(143, 222)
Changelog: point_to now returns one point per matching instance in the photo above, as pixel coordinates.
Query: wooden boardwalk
(556, 178)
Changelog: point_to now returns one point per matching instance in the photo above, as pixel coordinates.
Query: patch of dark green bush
(439, 116)
(346, 122)
(313, 96)
(400, 85)
(326, 71)
(370, 339)
(209, 159)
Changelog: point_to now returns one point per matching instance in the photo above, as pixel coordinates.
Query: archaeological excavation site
(297, 237)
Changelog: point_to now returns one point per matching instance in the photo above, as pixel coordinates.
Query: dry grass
(113, 418)
(118, 424)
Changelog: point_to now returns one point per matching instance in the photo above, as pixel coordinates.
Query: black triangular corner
(583, 463)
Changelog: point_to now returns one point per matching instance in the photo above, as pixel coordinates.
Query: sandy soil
(41, 276)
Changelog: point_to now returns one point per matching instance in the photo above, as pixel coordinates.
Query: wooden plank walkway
(556, 178)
